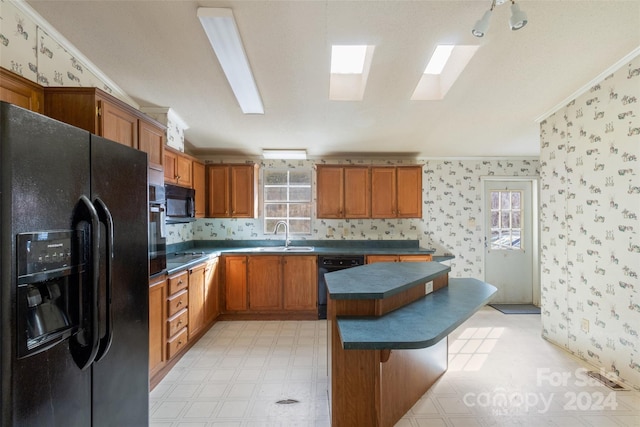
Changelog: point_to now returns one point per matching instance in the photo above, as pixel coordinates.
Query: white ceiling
(157, 52)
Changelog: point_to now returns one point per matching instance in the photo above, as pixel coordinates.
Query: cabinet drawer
(177, 302)
(178, 282)
(177, 322)
(175, 344)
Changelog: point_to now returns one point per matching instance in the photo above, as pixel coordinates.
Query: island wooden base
(378, 387)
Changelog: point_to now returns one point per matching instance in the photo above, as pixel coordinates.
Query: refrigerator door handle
(84, 348)
(105, 217)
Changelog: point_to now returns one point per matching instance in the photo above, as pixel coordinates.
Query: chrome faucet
(286, 232)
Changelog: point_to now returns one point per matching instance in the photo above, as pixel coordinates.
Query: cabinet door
(211, 292)
(157, 315)
(383, 192)
(242, 191)
(381, 258)
(300, 282)
(330, 192)
(235, 283)
(199, 187)
(265, 282)
(218, 191)
(415, 258)
(151, 141)
(22, 92)
(170, 167)
(196, 299)
(357, 192)
(409, 188)
(118, 125)
(184, 171)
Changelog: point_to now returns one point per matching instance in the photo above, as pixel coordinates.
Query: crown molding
(600, 77)
(66, 44)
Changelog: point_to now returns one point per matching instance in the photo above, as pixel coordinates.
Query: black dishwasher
(327, 264)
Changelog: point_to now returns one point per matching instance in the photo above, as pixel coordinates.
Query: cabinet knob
(179, 322)
(179, 303)
(180, 282)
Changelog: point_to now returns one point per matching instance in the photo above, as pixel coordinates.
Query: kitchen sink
(284, 249)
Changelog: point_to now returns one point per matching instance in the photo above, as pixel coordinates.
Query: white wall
(590, 197)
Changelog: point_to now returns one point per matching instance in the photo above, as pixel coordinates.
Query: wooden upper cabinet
(357, 192)
(117, 124)
(102, 114)
(330, 191)
(409, 191)
(151, 141)
(383, 192)
(170, 166)
(198, 173)
(243, 180)
(396, 192)
(231, 191)
(343, 192)
(218, 191)
(22, 92)
(178, 168)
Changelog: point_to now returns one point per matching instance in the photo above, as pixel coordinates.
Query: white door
(509, 242)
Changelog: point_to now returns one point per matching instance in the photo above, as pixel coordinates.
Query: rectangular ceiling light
(284, 154)
(440, 74)
(350, 66)
(223, 34)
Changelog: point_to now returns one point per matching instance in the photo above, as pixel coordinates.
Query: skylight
(350, 66)
(444, 68)
(439, 59)
(348, 59)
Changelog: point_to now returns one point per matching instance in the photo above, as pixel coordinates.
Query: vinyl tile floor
(501, 373)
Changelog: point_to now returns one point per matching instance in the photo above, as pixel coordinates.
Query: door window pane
(506, 220)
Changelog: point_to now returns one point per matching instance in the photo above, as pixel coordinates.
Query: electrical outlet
(585, 325)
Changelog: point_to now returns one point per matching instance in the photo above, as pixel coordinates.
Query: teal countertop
(420, 324)
(208, 249)
(381, 280)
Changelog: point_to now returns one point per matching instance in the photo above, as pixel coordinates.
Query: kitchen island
(387, 338)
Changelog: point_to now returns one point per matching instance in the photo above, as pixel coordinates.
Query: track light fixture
(518, 19)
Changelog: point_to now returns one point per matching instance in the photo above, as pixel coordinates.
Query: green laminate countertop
(210, 249)
(382, 279)
(420, 324)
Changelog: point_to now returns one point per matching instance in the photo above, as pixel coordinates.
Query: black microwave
(180, 204)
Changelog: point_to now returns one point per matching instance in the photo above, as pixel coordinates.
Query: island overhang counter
(387, 336)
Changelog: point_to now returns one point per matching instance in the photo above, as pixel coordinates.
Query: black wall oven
(327, 264)
(157, 236)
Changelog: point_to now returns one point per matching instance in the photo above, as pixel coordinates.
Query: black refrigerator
(74, 270)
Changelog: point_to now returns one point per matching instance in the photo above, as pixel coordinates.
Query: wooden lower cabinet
(235, 276)
(264, 281)
(196, 299)
(271, 283)
(300, 282)
(399, 258)
(157, 314)
(211, 291)
(181, 308)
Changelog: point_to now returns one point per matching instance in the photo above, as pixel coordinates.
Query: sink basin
(284, 249)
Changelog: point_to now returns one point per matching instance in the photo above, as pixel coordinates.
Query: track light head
(518, 18)
(482, 25)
